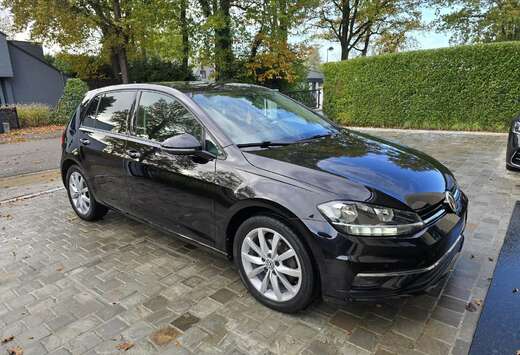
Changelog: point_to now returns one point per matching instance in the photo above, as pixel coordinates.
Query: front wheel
(81, 198)
(274, 264)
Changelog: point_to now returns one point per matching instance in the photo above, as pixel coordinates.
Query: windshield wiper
(264, 144)
(316, 136)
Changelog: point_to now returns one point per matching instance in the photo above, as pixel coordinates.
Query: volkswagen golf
(303, 207)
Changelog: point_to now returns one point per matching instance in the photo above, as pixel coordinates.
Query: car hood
(360, 167)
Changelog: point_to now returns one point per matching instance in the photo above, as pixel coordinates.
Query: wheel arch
(255, 207)
(65, 166)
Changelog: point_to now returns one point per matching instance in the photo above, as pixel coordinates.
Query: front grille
(434, 212)
(431, 211)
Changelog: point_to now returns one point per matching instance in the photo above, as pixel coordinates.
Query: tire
(512, 168)
(83, 203)
(274, 281)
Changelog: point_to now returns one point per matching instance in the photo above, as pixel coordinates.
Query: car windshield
(256, 116)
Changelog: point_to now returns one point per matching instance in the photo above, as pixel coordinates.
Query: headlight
(367, 220)
(516, 127)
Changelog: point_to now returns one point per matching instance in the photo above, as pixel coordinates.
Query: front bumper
(372, 286)
(364, 268)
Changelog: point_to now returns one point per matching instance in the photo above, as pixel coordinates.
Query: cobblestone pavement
(68, 286)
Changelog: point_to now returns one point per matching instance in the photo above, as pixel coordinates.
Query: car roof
(189, 87)
(192, 86)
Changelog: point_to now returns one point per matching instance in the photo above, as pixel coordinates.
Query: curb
(474, 133)
(28, 196)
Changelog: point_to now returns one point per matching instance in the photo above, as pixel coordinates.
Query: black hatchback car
(303, 206)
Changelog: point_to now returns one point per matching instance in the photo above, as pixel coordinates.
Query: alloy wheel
(271, 264)
(79, 193)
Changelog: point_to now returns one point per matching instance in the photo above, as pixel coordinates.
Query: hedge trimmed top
(461, 88)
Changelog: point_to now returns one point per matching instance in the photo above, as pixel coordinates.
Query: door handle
(85, 141)
(133, 154)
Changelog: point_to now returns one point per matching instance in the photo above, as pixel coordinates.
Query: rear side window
(160, 117)
(89, 117)
(113, 111)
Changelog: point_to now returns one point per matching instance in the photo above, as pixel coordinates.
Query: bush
(35, 115)
(155, 70)
(75, 90)
(461, 88)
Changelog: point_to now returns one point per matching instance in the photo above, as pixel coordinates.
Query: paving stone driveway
(68, 286)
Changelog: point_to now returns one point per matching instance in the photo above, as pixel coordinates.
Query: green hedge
(73, 93)
(461, 88)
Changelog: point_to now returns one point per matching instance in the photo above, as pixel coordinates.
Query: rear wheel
(274, 264)
(81, 198)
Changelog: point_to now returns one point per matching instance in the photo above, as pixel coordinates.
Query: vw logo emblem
(450, 201)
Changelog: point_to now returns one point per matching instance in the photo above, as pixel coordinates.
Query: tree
(77, 23)
(115, 29)
(271, 59)
(475, 21)
(356, 23)
(313, 60)
(219, 21)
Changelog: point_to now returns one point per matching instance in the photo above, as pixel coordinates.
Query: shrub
(75, 90)
(34, 115)
(462, 88)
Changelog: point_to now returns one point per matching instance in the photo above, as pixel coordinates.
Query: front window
(113, 111)
(254, 116)
(160, 117)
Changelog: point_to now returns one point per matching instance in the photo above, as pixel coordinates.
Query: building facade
(25, 77)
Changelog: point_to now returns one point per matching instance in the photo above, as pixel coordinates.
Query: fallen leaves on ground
(473, 305)
(164, 336)
(7, 339)
(17, 350)
(23, 134)
(125, 346)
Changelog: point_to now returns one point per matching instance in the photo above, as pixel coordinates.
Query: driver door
(172, 191)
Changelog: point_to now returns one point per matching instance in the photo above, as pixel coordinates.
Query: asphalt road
(29, 157)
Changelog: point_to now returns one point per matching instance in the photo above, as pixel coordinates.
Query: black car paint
(204, 200)
(513, 147)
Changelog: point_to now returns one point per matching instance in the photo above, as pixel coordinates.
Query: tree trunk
(283, 21)
(364, 51)
(114, 61)
(345, 38)
(223, 43)
(121, 48)
(123, 64)
(344, 50)
(185, 40)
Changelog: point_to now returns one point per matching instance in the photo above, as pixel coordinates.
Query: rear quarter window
(89, 114)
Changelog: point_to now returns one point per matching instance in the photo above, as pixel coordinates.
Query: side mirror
(186, 144)
(182, 144)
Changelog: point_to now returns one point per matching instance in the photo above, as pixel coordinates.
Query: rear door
(103, 135)
(175, 192)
